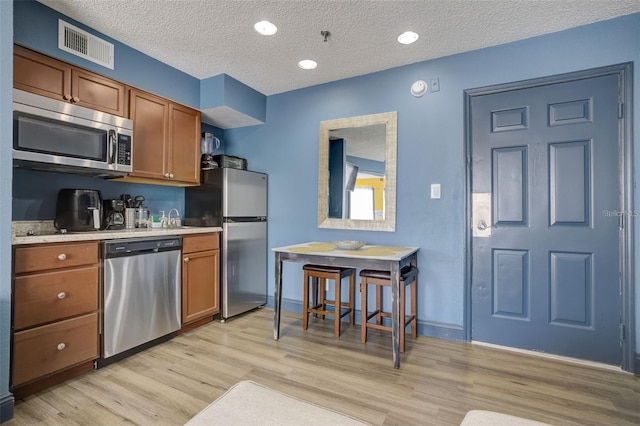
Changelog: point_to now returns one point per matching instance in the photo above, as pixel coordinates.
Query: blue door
(545, 178)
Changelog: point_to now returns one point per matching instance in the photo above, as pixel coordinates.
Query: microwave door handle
(112, 147)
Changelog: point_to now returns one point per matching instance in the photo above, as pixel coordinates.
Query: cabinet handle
(171, 175)
(75, 99)
(67, 97)
(62, 295)
(62, 256)
(186, 259)
(61, 346)
(166, 175)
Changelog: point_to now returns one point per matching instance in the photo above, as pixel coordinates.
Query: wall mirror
(357, 173)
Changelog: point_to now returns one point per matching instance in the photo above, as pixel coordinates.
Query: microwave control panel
(124, 149)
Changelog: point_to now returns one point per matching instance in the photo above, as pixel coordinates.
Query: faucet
(173, 222)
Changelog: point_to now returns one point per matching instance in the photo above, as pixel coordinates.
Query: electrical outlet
(435, 85)
(435, 190)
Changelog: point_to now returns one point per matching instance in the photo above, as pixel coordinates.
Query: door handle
(481, 214)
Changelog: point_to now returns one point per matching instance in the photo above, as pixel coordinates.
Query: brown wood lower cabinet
(55, 313)
(200, 277)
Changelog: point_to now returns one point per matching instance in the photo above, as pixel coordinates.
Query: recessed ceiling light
(407, 37)
(265, 28)
(307, 64)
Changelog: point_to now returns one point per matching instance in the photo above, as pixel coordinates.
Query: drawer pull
(186, 259)
(61, 346)
(62, 256)
(62, 295)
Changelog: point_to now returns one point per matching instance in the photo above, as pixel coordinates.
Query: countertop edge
(110, 235)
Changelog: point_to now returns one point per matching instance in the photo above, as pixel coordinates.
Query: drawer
(51, 296)
(43, 350)
(194, 243)
(53, 256)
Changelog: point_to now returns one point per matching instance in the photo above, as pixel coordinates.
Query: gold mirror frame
(390, 119)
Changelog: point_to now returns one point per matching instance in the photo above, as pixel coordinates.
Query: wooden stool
(408, 276)
(319, 275)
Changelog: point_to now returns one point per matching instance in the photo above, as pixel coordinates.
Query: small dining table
(384, 258)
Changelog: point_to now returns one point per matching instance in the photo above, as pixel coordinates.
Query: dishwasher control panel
(133, 246)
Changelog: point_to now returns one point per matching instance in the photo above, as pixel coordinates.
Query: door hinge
(620, 110)
(622, 332)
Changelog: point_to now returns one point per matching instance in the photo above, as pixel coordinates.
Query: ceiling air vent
(78, 42)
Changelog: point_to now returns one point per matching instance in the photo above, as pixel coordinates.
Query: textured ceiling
(205, 38)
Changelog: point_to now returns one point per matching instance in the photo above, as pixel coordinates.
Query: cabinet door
(54, 295)
(150, 115)
(96, 92)
(200, 285)
(41, 74)
(185, 144)
(52, 347)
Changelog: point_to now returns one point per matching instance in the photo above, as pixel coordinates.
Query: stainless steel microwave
(54, 135)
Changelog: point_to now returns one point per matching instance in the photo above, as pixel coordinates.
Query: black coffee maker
(113, 214)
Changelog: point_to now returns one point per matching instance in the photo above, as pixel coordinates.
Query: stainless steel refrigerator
(236, 200)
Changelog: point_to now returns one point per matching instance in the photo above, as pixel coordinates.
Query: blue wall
(6, 85)
(430, 150)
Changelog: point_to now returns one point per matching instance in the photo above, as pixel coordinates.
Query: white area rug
(249, 403)
(491, 418)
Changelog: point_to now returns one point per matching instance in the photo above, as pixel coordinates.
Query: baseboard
(425, 328)
(6, 407)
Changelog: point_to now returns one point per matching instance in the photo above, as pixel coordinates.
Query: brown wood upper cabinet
(166, 139)
(46, 76)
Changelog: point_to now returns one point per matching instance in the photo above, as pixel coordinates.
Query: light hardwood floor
(438, 382)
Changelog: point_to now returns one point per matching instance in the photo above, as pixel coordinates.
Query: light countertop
(45, 233)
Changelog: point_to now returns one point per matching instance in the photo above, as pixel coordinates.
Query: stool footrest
(316, 310)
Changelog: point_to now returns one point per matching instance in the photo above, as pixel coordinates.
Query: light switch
(435, 190)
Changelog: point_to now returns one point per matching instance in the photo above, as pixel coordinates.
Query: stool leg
(336, 312)
(352, 298)
(402, 316)
(305, 302)
(322, 286)
(314, 292)
(363, 310)
(414, 308)
(378, 304)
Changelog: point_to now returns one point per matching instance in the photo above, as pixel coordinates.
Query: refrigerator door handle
(244, 219)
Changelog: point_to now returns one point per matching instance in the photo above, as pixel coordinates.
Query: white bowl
(349, 245)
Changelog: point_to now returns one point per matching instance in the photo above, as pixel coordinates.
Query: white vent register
(81, 43)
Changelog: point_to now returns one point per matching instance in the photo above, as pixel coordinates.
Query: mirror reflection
(357, 173)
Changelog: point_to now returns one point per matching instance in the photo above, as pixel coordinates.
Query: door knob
(481, 214)
(186, 259)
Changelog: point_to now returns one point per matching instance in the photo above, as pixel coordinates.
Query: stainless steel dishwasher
(141, 294)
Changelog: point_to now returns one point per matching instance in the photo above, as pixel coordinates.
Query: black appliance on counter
(78, 210)
(113, 218)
